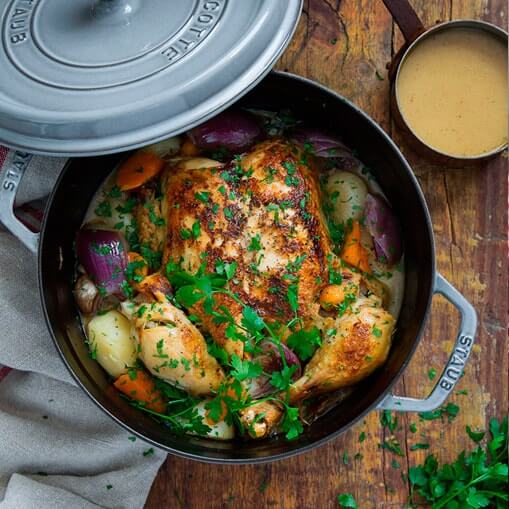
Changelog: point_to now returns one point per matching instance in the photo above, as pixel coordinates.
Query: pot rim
(456, 23)
(321, 441)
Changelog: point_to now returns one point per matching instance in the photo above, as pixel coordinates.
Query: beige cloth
(57, 449)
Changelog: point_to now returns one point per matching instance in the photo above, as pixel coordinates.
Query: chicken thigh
(359, 343)
(172, 348)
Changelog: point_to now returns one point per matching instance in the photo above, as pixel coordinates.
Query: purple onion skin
(271, 360)
(383, 226)
(103, 255)
(319, 143)
(233, 130)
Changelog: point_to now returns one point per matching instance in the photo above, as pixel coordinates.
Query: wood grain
(344, 45)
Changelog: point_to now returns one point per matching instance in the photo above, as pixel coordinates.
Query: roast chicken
(263, 212)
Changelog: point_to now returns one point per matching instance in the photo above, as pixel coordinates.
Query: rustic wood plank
(469, 212)
(343, 44)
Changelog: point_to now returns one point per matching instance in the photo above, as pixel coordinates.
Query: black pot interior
(319, 107)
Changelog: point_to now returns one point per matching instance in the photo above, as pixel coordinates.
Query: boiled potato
(347, 193)
(109, 337)
(165, 148)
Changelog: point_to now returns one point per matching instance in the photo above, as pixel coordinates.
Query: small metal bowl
(414, 33)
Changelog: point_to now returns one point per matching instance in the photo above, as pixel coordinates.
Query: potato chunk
(348, 195)
(110, 339)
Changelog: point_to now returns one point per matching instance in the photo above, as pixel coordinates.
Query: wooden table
(346, 45)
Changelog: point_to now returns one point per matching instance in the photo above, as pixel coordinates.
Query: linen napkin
(57, 449)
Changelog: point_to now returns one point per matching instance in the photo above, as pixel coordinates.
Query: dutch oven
(82, 176)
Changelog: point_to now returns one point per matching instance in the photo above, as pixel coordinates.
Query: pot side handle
(456, 362)
(9, 181)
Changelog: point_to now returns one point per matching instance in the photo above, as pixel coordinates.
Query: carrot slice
(188, 148)
(230, 392)
(138, 169)
(353, 251)
(143, 389)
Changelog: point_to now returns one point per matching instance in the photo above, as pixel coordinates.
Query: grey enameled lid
(79, 77)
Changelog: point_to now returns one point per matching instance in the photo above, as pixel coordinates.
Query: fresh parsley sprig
(475, 480)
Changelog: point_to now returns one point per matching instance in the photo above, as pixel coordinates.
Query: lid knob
(114, 12)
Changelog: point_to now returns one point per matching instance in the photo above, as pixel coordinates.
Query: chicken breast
(262, 212)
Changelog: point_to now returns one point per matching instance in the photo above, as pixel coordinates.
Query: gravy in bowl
(452, 92)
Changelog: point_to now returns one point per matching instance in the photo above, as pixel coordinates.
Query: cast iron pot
(317, 105)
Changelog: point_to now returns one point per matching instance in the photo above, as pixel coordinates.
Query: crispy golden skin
(150, 218)
(172, 348)
(261, 212)
(360, 345)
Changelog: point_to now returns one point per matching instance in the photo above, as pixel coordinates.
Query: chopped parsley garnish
(349, 299)
(450, 410)
(418, 446)
(392, 445)
(132, 270)
(387, 421)
(202, 196)
(114, 192)
(244, 369)
(103, 209)
(153, 258)
(153, 217)
(282, 379)
(304, 343)
(127, 289)
(193, 233)
(127, 207)
(254, 244)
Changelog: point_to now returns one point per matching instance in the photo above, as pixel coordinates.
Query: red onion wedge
(320, 143)
(271, 360)
(383, 226)
(233, 130)
(103, 254)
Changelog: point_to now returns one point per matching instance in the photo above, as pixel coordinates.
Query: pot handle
(9, 182)
(406, 18)
(456, 362)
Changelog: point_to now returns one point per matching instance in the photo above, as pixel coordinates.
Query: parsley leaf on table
(346, 500)
(475, 480)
